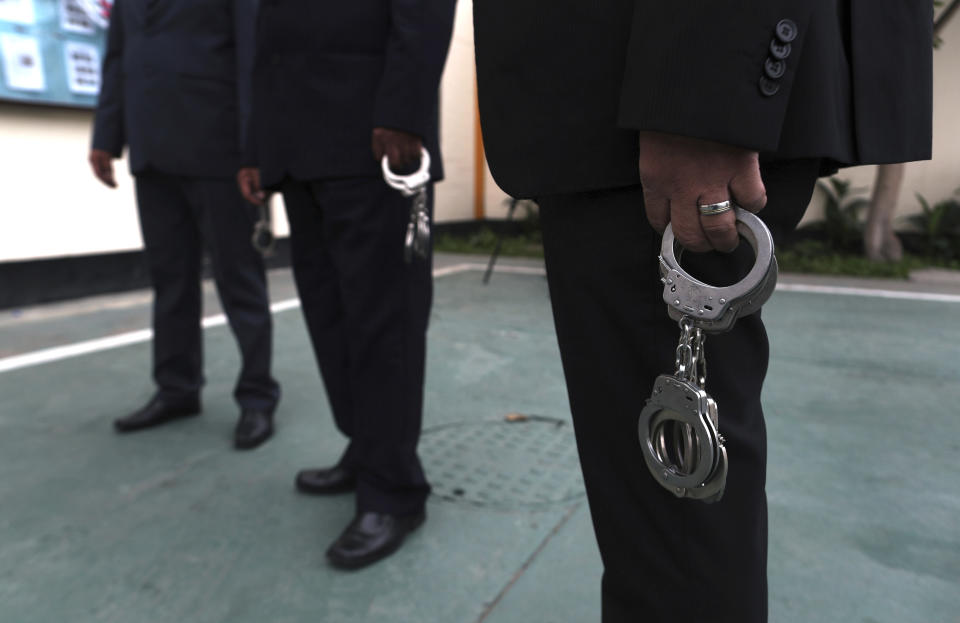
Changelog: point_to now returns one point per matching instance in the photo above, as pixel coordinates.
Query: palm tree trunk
(879, 241)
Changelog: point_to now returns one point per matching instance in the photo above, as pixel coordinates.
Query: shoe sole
(167, 420)
(333, 490)
(251, 444)
(353, 564)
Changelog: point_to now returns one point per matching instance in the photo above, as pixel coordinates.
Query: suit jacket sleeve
(693, 68)
(245, 26)
(108, 124)
(415, 54)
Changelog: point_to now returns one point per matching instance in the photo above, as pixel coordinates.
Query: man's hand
(102, 164)
(401, 148)
(679, 173)
(248, 179)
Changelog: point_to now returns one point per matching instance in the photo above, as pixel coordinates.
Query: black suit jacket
(328, 72)
(175, 85)
(565, 87)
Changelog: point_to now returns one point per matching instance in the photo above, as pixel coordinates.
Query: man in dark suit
(336, 87)
(175, 85)
(621, 116)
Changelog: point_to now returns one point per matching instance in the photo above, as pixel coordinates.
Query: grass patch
(484, 241)
(816, 257)
(790, 261)
(808, 256)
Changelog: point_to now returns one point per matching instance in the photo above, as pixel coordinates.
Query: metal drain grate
(521, 462)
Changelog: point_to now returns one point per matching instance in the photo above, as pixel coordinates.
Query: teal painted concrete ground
(173, 526)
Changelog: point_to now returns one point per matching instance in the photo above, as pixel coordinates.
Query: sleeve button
(768, 87)
(774, 68)
(786, 30)
(779, 50)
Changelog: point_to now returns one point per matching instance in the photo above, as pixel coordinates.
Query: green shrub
(842, 225)
(939, 228)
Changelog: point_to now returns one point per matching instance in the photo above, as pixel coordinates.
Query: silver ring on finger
(712, 209)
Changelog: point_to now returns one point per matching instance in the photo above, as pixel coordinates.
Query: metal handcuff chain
(417, 239)
(679, 424)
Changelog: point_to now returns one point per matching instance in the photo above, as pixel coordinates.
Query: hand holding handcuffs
(417, 241)
(679, 424)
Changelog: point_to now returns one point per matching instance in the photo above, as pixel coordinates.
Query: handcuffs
(263, 239)
(679, 423)
(417, 240)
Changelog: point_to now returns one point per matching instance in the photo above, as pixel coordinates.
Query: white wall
(50, 204)
(454, 199)
(457, 195)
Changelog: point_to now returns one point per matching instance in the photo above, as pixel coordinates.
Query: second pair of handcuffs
(417, 240)
(263, 239)
(679, 424)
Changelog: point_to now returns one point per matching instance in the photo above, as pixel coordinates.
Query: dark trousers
(665, 559)
(178, 217)
(367, 312)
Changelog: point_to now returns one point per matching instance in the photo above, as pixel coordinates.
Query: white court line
(74, 350)
(57, 353)
(114, 341)
(514, 270)
(77, 349)
(880, 294)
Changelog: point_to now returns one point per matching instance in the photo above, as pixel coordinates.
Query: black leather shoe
(253, 428)
(371, 537)
(326, 481)
(154, 413)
